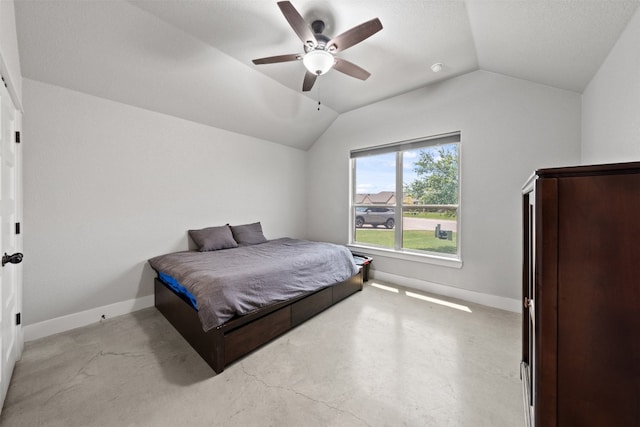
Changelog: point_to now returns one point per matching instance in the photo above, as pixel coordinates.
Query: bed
(237, 291)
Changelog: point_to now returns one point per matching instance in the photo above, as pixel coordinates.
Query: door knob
(13, 259)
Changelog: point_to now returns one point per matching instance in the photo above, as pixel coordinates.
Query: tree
(437, 181)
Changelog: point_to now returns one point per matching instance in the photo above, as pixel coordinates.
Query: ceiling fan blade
(297, 22)
(351, 69)
(309, 80)
(354, 35)
(279, 58)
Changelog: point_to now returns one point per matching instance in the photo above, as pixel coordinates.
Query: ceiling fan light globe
(318, 61)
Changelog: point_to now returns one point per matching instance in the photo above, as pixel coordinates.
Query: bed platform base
(227, 343)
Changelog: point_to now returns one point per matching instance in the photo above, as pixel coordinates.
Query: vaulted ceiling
(192, 58)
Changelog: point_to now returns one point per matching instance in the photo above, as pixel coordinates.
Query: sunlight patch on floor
(422, 297)
(385, 288)
(439, 301)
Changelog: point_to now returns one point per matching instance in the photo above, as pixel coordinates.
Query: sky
(377, 173)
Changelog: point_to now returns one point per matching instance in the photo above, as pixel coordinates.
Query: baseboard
(502, 303)
(84, 318)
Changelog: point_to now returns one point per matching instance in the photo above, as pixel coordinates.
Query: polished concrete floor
(379, 358)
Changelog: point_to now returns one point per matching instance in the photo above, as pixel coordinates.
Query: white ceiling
(192, 58)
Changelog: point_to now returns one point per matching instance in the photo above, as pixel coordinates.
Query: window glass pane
(406, 196)
(430, 202)
(374, 200)
(425, 229)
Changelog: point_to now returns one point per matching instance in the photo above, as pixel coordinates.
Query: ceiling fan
(319, 50)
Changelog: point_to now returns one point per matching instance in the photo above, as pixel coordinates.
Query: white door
(10, 242)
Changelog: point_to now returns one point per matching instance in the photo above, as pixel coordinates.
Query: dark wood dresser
(581, 294)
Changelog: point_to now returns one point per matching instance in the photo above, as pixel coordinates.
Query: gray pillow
(213, 238)
(248, 234)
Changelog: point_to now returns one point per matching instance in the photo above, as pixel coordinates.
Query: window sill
(407, 256)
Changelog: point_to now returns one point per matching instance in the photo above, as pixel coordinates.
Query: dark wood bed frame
(227, 343)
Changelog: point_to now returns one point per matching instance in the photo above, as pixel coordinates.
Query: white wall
(611, 103)
(9, 57)
(108, 186)
(509, 128)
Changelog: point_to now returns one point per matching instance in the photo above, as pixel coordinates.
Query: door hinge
(17, 137)
(17, 228)
(18, 319)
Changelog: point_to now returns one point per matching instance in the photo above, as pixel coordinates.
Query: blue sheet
(178, 288)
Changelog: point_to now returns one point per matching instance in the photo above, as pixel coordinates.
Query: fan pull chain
(318, 93)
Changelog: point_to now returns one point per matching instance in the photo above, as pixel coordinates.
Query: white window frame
(448, 260)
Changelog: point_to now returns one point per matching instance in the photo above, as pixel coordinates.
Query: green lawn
(423, 240)
(429, 215)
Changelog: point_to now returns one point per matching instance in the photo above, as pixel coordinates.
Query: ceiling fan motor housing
(321, 40)
(317, 26)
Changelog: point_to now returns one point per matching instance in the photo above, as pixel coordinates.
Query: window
(405, 196)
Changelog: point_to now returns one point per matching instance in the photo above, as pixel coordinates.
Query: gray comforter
(238, 281)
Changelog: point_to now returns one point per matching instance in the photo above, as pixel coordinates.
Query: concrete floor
(379, 358)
